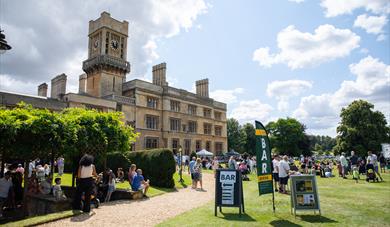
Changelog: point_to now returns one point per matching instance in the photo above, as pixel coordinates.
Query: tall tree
(361, 129)
(236, 136)
(287, 136)
(250, 142)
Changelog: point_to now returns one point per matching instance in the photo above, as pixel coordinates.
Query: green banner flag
(263, 160)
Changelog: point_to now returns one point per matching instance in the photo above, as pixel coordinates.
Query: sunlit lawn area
(66, 180)
(343, 203)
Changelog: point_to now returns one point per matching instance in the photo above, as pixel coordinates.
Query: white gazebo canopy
(204, 153)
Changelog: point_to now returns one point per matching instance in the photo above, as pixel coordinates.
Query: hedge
(115, 160)
(157, 165)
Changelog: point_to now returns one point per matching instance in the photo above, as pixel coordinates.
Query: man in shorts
(139, 183)
(275, 172)
(191, 170)
(284, 169)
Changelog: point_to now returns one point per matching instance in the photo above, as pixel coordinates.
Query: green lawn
(66, 180)
(343, 203)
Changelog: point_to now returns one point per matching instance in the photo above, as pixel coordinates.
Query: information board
(304, 193)
(228, 190)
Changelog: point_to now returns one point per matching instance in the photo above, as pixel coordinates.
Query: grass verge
(343, 203)
(37, 220)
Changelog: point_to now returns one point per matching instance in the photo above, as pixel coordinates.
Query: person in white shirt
(215, 165)
(275, 172)
(284, 169)
(31, 167)
(344, 164)
(5, 186)
(372, 158)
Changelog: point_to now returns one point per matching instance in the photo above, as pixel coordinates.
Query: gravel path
(148, 212)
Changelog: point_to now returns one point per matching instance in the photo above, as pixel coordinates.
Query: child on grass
(355, 174)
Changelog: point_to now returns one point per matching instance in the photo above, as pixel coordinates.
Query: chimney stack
(58, 86)
(42, 90)
(202, 88)
(83, 84)
(159, 74)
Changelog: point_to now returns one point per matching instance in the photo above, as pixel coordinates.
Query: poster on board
(304, 193)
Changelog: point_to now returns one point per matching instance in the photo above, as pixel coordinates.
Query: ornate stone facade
(165, 116)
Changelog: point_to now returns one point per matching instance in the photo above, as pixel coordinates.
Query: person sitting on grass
(120, 174)
(57, 191)
(139, 183)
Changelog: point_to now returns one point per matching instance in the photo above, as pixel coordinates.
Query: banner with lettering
(263, 160)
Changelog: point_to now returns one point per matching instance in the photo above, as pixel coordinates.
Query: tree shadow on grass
(283, 223)
(237, 217)
(316, 219)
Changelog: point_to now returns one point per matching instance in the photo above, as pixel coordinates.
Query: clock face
(96, 44)
(114, 44)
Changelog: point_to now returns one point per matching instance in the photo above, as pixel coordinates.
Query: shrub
(115, 160)
(193, 154)
(158, 165)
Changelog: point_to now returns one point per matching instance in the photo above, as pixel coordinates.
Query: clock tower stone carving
(106, 66)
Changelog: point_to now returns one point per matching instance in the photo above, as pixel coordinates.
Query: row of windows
(152, 142)
(152, 102)
(176, 126)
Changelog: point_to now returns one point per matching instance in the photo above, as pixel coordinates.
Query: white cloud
(296, 1)
(7, 83)
(284, 90)
(339, 7)
(372, 24)
(301, 49)
(226, 96)
(372, 84)
(249, 111)
(55, 40)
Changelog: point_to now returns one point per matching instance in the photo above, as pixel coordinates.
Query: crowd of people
(370, 166)
(39, 182)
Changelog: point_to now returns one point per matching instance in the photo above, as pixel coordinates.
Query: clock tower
(106, 66)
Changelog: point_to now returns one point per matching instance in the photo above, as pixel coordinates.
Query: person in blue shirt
(191, 170)
(139, 183)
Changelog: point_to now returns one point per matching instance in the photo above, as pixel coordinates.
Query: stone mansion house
(164, 116)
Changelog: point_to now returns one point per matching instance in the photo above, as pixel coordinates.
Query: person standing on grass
(5, 186)
(284, 169)
(111, 185)
(382, 162)
(60, 165)
(191, 170)
(344, 165)
(132, 173)
(232, 163)
(275, 172)
(373, 159)
(85, 181)
(353, 159)
(198, 174)
(215, 166)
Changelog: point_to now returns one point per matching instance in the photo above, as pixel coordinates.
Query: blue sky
(265, 59)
